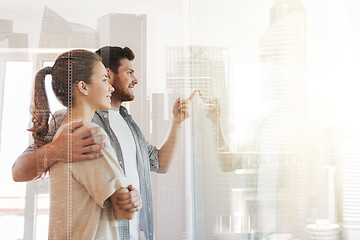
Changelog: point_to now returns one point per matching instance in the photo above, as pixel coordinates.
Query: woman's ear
(82, 87)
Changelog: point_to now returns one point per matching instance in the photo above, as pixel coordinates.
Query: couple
(87, 196)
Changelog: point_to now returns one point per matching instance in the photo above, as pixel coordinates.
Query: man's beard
(123, 96)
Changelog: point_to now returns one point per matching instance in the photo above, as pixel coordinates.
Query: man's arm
(166, 151)
(32, 163)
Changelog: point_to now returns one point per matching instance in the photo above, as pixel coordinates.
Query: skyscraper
(280, 137)
(282, 48)
(201, 68)
(129, 30)
(58, 34)
(169, 190)
(196, 68)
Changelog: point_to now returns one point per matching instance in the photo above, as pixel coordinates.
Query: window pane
(14, 139)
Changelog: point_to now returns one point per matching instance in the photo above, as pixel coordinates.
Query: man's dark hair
(111, 56)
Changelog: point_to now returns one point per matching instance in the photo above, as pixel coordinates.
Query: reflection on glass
(271, 150)
(259, 185)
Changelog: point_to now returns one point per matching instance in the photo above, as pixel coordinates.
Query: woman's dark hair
(68, 69)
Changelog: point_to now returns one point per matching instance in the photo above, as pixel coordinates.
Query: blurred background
(272, 147)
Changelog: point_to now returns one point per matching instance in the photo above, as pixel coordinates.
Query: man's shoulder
(60, 113)
(56, 120)
(59, 116)
(92, 124)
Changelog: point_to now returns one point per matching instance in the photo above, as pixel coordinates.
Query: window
(271, 148)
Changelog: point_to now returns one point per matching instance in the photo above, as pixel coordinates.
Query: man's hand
(85, 146)
(181, 108)
(30, 165)
(130, 201)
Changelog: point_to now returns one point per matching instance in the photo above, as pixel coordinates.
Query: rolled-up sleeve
(153, 157)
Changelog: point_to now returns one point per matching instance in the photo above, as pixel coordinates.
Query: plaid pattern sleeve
(123, 227)
(153, 157)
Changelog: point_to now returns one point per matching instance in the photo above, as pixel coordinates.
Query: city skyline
(112, 30)
(289, 80)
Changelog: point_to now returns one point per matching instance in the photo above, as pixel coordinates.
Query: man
(135, 155)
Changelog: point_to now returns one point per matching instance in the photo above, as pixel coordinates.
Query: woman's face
(99, 89)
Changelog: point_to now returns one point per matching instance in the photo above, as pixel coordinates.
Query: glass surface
(274, 136)
(271, 147)
(14, 139)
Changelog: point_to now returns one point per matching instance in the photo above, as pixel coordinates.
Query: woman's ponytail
(40, 109)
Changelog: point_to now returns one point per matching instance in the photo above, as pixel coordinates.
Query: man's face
(123, 82)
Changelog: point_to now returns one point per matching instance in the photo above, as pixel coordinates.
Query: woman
(82, 194)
